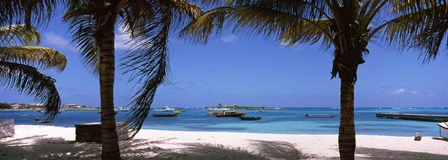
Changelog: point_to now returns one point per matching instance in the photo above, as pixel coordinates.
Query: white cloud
(55, 41)
(398, 91)
(122, 39)
(414, 92)
(229, 39)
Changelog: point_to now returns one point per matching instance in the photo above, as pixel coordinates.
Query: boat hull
(230, 114)
(443, 126)
(164, 115)
(320, 115)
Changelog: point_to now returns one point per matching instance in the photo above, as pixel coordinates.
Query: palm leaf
(28, 55)
(423, 29)
(306, 32)
(147, 61)
(267, 18)
(83, 28)
(10, 34)
(30, 81)
(36, 12)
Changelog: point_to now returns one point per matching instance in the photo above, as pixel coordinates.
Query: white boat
(218, 109)
(443, 127)
(164, 109)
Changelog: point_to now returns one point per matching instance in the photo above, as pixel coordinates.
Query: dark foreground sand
(46, 142)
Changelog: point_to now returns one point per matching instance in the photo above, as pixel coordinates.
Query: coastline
(50, 142)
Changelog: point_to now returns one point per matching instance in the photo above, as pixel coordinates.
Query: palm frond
(29, 55)
(260, 17)
(432, 33)
(307, 32)
(31, 12)
(10, 34)
(84, 29)
(423, 29)
(134, 16)
(183, 12)
(148, 66)
(199, 30)
(147, 60)
(30, 81)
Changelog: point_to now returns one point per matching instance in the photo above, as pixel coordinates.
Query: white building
(71, 106)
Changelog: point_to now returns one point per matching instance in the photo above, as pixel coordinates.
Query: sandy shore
(46, 142)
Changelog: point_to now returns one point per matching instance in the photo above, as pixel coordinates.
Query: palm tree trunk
(109, 138)
(347, 141)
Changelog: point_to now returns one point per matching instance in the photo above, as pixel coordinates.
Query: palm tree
(18, 66)
(344, 26)
(148, 22)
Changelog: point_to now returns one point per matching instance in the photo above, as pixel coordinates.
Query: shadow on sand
(56, 148)
(384, 154)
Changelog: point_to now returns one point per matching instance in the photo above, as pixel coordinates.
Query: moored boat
(165, 115)
(229, 114)
(250, 118)
(320, 115)
(443, 127)
(164, 109)
(213, 113)
(178, 111)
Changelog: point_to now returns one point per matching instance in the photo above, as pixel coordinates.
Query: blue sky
(242, 70)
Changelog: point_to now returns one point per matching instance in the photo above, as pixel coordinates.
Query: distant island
(37, 106)
(236, 107)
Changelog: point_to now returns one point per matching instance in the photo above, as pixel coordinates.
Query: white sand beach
(47, 142)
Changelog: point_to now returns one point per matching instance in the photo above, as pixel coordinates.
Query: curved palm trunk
(109, 138)
(346, 139)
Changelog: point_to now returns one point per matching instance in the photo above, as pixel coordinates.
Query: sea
(285, 121)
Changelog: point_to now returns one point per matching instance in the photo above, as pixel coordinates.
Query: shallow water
(289, 120)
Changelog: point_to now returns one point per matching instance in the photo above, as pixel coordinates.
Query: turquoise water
(289, 120)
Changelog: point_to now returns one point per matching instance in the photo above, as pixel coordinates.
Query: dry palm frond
(10, 34)
(42, 57)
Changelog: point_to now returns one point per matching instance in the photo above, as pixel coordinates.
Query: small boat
(218, 109)
(250, 118)
(443, 127)
(165, 109)
(230, 114)
(213, 113)
(165, 115)
(178, 111)
(320, 115)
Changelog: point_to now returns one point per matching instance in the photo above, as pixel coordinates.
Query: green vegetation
(5, 106)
